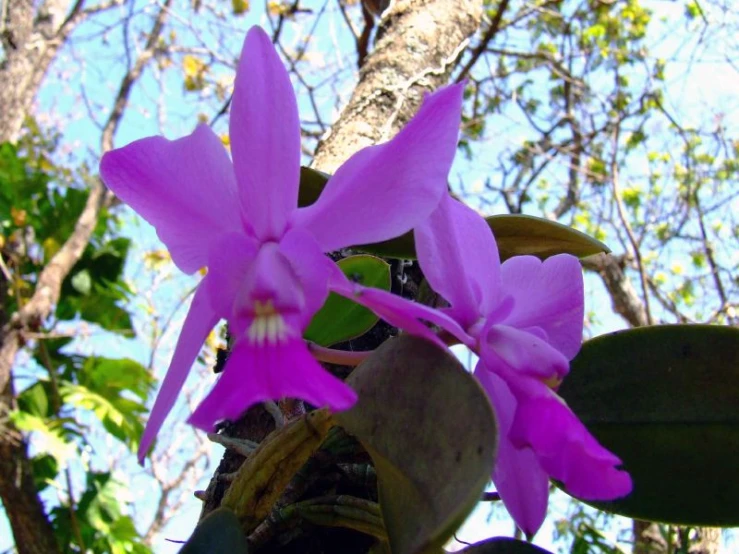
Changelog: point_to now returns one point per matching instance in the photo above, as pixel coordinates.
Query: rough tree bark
(31, 37)
(418, 44)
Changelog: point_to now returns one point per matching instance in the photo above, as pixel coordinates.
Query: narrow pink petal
(185, 188)
(519, 353)
(265, 137)
(459, 257)
(270, 372)
(383, 191)
(566, 450)
(518, 477)
(548, 295)
(199, 321)
(398, 311)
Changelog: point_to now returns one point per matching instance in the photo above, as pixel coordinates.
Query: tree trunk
(418, 44)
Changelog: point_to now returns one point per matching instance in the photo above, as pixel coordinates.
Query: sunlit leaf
(515, 234)
(340, 319)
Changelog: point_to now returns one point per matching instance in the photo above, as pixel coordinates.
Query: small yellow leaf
(240, 6)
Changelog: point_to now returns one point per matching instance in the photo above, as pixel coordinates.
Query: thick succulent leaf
(515, 235)
(220, 531)
(518, 235)
(664, 400)
(312, 183)
(340, 319)
(503, 545)
(432, 435)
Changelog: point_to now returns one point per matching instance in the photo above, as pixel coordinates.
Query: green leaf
(44, 468)
(35, 399)
(110, 376)
(432, 435)
(102, 384)
(220, 531)
(515, 234)
(94, 296)
(664, 400)
(503, 545)
(341, 319)
(312, 183)
(54, 436)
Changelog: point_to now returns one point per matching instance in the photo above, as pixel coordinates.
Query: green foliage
(97, 521)
(663, 399)
(95, 286)
(78, 395)
(432, 436)
(340, 319)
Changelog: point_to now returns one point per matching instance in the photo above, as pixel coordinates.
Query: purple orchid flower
(267, 272)
(524, 318)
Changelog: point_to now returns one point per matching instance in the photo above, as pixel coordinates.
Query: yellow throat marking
(268, 325)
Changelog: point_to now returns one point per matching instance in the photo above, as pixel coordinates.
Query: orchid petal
(255, 373)
(384, 191)
(185, 188)
(518, 477)
(459, 258)
(566, 450)
(506, 350)
(265, 138)
(201, 318)
(312, 268)
(548, 295)
(229, 260)
(398, 311)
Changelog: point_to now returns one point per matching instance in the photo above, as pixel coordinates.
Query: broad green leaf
(515, 234)
(503, 545)
(110, 376)
(664, 399)
(120, 416)
(45, 468)
(341, 319)
(99, 515)
(35, 399)
(311, 185)
(220, 531)
(54, 437)
(95, 287)
(432, 435)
